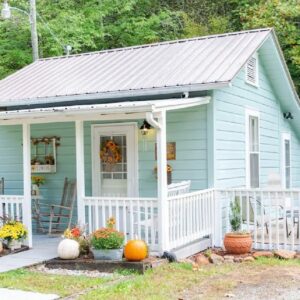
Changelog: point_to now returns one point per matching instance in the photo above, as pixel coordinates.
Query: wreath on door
(110, 153)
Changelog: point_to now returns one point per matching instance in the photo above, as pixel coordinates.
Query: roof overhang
(97, 112)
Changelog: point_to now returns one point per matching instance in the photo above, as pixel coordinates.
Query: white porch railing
(191, 217)
(11, 207)
(272, 216)
(134, 216)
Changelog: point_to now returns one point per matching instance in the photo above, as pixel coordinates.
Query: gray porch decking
(44, 248)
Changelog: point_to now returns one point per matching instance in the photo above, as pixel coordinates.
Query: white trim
(27, 214)
(72, 113)
(250, 113)
(162, 186)
(127, 128)
(256, 83)
(285, 136)
(80, 171)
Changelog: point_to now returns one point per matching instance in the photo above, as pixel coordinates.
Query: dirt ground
(258, 282)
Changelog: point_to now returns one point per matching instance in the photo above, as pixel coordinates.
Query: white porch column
(163, 211)
(80, 178)
(27, 217)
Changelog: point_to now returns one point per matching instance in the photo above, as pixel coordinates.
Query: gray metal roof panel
(203, 60)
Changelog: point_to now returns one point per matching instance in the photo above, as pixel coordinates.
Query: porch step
(192, 248)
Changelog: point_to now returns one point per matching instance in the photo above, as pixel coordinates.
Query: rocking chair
(54, 216)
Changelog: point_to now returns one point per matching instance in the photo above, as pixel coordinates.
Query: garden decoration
(169, 173)
(13, 232)
(77, 233)
(237, 241)
(135, 250)
(36, 181)
(68, 249)
(110, 154)
(107, 243)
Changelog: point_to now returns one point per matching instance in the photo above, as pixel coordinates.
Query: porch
(132, 191)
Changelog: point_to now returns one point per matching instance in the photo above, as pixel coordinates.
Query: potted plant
(107, 242)
(237, 241)
(36, 182)
(77, 233)
(13, 232)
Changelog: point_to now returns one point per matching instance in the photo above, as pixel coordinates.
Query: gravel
(94, 274)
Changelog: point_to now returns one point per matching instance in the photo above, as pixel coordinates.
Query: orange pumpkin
(135, 250)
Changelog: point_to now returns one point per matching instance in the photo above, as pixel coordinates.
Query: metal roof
(181, 65)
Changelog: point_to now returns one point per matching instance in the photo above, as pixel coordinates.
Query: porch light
(5, 12)
(288, 115)
(145, 128)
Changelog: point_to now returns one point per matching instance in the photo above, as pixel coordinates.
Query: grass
(171, 281)
(45, 283)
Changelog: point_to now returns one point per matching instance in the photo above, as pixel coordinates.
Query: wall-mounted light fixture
(145, 128)
(288, 115)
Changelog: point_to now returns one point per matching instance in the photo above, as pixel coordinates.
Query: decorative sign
(171, 151)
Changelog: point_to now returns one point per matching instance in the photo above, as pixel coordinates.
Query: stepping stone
(263, 254)
(9, 294)
(285, 254)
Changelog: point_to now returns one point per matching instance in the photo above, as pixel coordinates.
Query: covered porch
(136, 190)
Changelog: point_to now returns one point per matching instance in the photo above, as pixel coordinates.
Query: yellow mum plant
(13, 230)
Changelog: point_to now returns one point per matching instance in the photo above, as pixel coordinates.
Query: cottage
(159, 136)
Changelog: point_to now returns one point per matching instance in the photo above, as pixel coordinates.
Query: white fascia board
(58, 113)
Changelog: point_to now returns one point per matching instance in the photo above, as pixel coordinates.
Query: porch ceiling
(97, 111)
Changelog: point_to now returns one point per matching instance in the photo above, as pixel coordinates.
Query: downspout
(150, 119)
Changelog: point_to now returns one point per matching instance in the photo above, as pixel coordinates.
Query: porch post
(80, 178)
(27, 220)
(163, 213)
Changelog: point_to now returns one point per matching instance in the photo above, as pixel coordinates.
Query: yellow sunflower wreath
(110, 153)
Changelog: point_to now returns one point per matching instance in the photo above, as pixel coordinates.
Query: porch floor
(44, 248)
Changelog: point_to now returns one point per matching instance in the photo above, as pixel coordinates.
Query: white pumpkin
(68, 249)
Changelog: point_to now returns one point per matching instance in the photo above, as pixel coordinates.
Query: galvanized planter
(108, 254)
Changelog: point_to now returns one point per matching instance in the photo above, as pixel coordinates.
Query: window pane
(253, 134)
(287, 167)
(287, 177)
(254, 170)
(287, 152)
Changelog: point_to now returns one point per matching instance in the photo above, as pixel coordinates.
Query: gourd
(68, 249)
(135, 250)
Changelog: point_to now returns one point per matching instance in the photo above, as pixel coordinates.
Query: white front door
(118, 179)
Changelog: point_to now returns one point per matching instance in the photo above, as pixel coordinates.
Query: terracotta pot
(235, 243)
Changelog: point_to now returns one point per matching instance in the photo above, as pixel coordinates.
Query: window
(286, 160)
(252, 71)
(252, 149)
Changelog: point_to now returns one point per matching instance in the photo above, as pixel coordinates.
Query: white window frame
(133, 185)
(256, 83)
(285, 136)
(251, 113)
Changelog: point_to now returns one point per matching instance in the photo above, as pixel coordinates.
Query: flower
(76, 232)
(38, 180)
(108, 237)
(13, 230)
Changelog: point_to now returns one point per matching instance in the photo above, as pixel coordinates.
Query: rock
(201, 260)
(297, 255)
(238, 259)
(216, 259)
(249, 259)
(285, 254)
(229, 295)
(263, 254)
(229, 259)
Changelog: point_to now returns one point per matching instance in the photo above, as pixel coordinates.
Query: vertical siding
(230, 104)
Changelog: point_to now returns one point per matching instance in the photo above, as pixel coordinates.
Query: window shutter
(251, 71)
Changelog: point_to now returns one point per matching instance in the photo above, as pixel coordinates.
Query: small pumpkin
(68, 249)
(135, 250)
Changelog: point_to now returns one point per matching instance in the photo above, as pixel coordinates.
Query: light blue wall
(228, 108)
(186, 127)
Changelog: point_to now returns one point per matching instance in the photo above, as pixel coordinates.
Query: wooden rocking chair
(54, 216)
(2, 186)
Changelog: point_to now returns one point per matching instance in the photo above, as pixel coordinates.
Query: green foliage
(90, 25)
(235, 215)
(107, 238)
